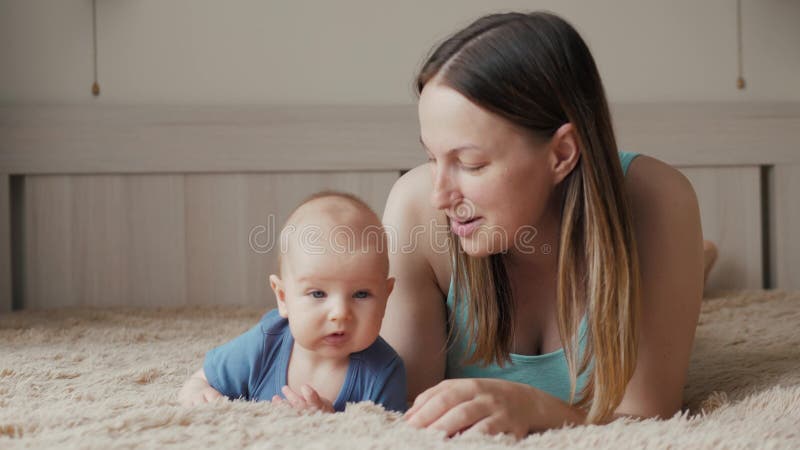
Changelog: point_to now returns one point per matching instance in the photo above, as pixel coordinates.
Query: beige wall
(350, 51)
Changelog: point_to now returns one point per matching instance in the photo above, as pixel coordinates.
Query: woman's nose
(444, 194)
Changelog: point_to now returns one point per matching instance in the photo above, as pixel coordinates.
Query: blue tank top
(547, 372)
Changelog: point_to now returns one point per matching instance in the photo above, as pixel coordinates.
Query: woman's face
(490, 177)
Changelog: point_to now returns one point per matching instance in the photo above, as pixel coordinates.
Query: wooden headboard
(172, 205)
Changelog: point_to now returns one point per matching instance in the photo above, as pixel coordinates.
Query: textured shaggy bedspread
(108, 378)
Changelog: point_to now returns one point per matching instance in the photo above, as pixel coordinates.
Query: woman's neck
(540, 255)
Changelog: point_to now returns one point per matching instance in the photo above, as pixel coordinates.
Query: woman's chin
(479, 249)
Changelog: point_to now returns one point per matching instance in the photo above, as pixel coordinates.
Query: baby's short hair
(352, 199)
(359, 219)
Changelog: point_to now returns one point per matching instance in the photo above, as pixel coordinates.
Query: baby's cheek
(373, 327)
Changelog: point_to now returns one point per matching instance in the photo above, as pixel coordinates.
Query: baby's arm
(196, 390)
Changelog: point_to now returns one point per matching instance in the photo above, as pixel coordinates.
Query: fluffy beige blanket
(109, 378)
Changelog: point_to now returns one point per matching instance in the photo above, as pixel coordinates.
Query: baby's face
(334, 301)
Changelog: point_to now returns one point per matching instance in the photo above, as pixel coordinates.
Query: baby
(320, 348)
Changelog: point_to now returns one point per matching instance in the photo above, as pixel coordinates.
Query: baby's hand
(197, 391)
(308, 398)
(199, 395)
(206, 395)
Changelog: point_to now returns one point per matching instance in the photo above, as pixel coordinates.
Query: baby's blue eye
(361, 294)
(317, 294)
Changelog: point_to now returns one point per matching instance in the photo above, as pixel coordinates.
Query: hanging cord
(740, 83)
(95, 85)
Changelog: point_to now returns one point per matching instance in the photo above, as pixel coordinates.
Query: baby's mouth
(335, 338)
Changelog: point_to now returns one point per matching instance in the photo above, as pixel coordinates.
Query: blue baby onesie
(254, 365)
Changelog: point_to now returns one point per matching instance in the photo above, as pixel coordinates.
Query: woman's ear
(565, 152)
(280, 294)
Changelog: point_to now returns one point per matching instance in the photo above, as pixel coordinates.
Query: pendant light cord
(95, 85)
(740, 83)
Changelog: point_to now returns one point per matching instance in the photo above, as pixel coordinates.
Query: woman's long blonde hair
(536, 71)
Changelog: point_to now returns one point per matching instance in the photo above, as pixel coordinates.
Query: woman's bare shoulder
(666, 217)
(419, 229)
(415, 320)
(651, 177)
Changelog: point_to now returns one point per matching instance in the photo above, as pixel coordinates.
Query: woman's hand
(307, 398)
(490, 406)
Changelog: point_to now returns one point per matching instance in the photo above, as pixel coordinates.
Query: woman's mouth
(465, 228)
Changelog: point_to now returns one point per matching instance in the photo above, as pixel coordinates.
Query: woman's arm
(666, 220)
(415, 320)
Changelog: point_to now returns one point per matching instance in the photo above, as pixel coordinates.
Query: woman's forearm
(547, 411)
(551, 412)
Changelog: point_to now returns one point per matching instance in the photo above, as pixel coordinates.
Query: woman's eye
(318, 294)
(361, 294)
(473, 168)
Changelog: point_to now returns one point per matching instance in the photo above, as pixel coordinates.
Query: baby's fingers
(293, 398)
(211, 394)
(311, 396)
(314, 400)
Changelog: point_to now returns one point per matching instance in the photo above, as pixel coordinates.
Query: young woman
(573, 280)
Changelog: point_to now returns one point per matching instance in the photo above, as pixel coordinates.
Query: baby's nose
(340, 310)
